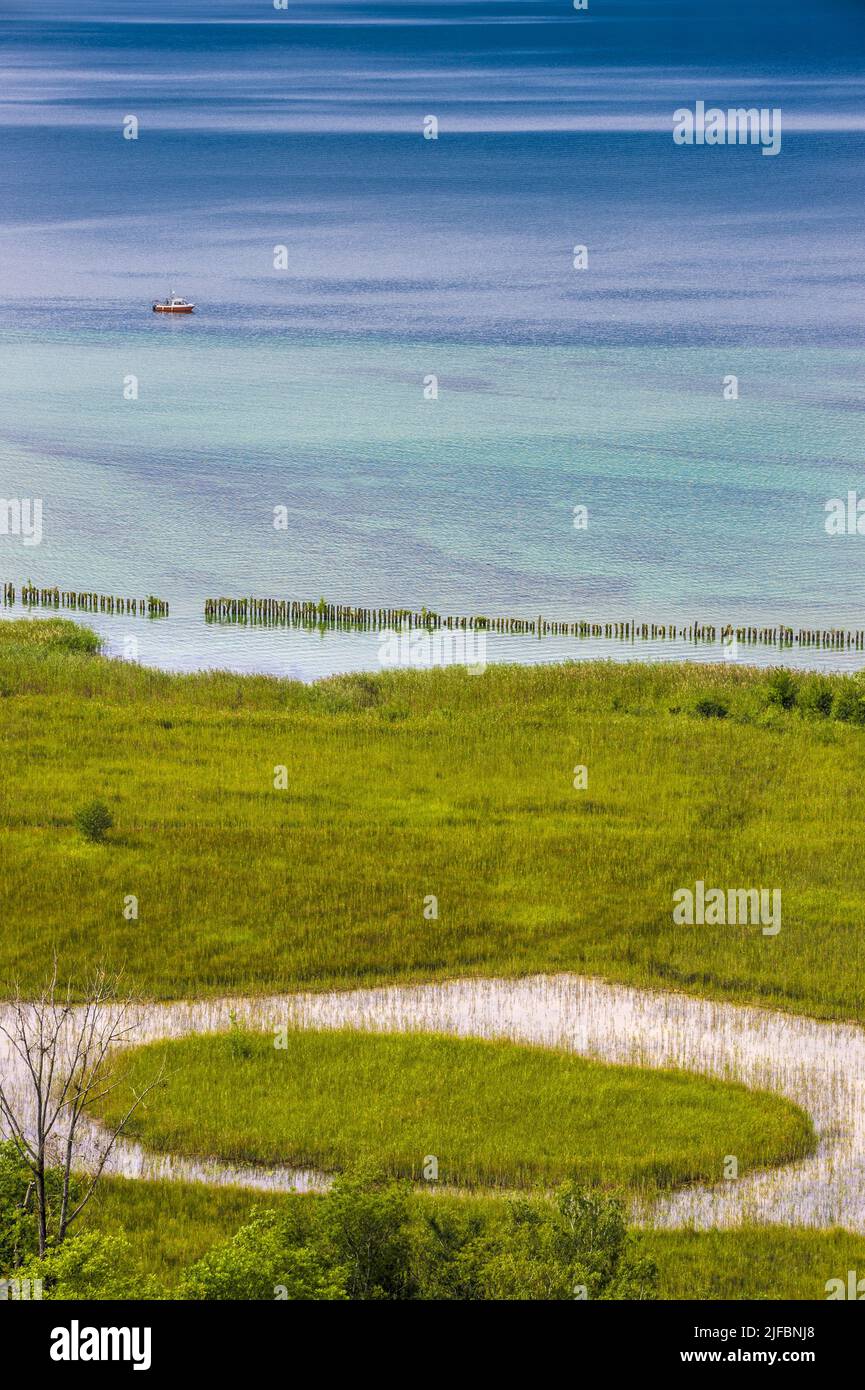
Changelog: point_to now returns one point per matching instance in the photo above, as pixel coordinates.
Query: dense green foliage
(490, 1112)
(89, 1265)
(172, 1225)
(368, 1239)
(406, 784)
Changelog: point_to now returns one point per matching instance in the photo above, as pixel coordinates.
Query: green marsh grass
(405, 784)
(492, 1113)
(766, 1262)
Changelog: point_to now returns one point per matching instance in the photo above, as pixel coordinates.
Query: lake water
(303, 387)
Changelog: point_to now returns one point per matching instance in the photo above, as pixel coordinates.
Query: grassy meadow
(493, 1114)
(403, 785)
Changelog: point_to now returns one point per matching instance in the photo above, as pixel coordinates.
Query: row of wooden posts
(306, 613)
(85, 601)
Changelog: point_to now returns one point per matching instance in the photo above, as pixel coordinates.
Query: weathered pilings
(83, 601)
(322, 614)
(307, 613)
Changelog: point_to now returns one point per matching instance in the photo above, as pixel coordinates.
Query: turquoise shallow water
(303, 389)
(698, 507)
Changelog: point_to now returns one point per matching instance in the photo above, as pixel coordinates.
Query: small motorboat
(173, 305)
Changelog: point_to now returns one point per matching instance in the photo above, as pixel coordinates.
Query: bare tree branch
(63, 1053)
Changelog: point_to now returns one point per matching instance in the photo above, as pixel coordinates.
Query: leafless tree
(61, 1062)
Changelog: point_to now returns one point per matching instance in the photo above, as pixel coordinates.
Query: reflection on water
(185, 641)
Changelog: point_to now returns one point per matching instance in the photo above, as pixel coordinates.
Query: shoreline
(299, 643)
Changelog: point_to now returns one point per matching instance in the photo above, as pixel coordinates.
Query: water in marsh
(820, 1066)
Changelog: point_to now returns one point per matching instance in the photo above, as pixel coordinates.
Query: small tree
(573, 1247)
(363, 1229)
(94, 820)
(59, 1067)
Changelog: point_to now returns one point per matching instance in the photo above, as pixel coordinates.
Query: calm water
(303, 387)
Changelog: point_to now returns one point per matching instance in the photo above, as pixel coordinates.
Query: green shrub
(90, 1265)
(708, 708)
(262, 1262)
(94, 820)
(363, 1229)
(240, 1042)
(781, 689)
(816, 696)
(374, 1239)
(849, 704)
(19, 1222)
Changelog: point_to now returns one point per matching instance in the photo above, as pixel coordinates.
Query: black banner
(64, 1339)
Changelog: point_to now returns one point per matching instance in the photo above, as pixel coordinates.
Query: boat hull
(173, 309)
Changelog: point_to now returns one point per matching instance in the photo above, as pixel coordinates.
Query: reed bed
(409, 784)
(493, 1114)
(818, 1066)
(751, 1262)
